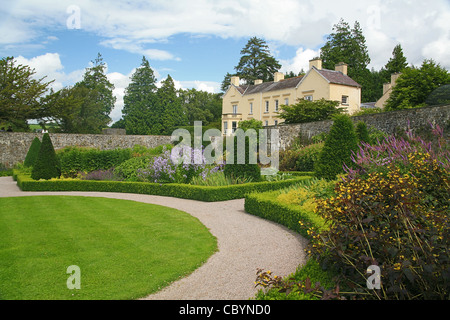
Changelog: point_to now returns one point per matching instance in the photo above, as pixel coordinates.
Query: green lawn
(124, 249)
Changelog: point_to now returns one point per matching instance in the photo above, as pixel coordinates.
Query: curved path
(245, 243)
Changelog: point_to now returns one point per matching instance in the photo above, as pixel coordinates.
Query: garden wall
(388, 122)
(14, 145)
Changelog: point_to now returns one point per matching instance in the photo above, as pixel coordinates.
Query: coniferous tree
(256, 62)
(346, 44)
(99, 101)
(46, 165)
(172, 115)
(141, 113)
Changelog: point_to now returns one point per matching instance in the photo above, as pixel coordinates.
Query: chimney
(341, 67)
(258, 81)
(394, 78)
(316, 62)
(235, 81)
(277, 76)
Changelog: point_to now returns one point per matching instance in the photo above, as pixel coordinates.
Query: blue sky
(198, 42)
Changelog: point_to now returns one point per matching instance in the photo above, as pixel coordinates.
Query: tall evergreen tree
(256, 62)
(397, 63)
(168, 100)
(346, 44)
(96, 109)
(141, 112)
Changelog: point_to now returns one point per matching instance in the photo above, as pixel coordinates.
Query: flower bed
(178, 190)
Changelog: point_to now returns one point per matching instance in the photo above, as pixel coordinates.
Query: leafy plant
(308, 111)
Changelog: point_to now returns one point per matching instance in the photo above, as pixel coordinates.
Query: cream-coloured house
(387, 90)
(262, 101)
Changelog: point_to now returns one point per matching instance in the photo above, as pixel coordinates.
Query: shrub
(76, 159)
(32, 153)
(100, 175)
(362, 133)
(308, 111)
(392, 211)
(338, 147)
(128, 169)
(308, 156)
(46, 165)
(246, 170)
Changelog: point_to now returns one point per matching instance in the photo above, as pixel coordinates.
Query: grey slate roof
(332, 76)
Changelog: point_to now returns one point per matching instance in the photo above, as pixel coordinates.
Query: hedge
(266, 206)
(185, 191)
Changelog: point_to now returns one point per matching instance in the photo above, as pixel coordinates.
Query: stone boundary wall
(14, 145)
(388, 122)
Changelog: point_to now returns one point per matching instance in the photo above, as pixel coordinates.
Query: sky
(198, 42)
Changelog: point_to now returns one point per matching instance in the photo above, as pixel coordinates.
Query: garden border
(265, 206)
(193, 192)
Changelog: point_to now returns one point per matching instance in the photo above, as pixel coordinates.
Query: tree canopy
(414, 85)
(21, 94)
(256, 62)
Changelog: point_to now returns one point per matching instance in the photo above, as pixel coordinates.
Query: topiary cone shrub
(32, 153)
(46, 165)
(338, 147)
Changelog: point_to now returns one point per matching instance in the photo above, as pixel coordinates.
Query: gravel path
(245, 243)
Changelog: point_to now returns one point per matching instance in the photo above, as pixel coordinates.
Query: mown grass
(124, 249)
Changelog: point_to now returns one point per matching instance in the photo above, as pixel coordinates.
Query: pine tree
(256, 62)
(141, 113)
(46, 165)
(348, 45)
(95, 110)
(172, 111)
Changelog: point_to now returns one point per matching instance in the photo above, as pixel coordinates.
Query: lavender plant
(177, 166)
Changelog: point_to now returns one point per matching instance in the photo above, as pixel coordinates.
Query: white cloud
(141, 26)
(300, 61)
(49, 65)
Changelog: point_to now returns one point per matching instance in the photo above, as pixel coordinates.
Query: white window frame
(308, 97)
(267, 107)
(235, 108)
(286, 101)
(276, 105)
(251, 108)
(233, 126)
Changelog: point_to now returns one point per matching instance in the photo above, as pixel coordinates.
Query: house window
(267, 106)
(267, 123)
(234, 108)
(286, 101)
(276, 105)
(251, 107)
(233, 126)
(310, 98)
(345, 100)
(276, 122)
(225, 127)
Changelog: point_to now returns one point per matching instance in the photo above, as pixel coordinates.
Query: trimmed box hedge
(266, 206)
(185, 191)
